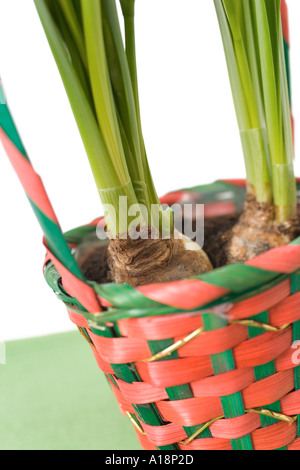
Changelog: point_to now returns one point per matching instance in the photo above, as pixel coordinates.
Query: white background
(188, 120)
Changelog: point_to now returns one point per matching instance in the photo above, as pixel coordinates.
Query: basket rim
(222, 284)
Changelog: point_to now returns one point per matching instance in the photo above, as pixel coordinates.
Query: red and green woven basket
(209, 363)
(206, 363)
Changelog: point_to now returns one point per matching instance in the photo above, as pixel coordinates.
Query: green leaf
(122, 86)
(101, 86)
(104, 172)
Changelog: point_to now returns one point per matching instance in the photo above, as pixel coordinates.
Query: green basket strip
(295, 282)
(53, 279)
(115, 315)
(77, 235)
(8, 126)
(127, 373)
(51, 230)
(218, 192)
(224, 362)
(180, 392)
(123, 295)
(216, 188)
(296, 242)
(56, 242)
(112, 378)
(238, 277)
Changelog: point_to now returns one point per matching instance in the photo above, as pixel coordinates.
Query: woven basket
(208, 363)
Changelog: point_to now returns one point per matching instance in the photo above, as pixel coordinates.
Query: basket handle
(58, 250)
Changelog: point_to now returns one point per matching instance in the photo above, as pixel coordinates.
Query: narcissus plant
(253, 42)
(100, 76)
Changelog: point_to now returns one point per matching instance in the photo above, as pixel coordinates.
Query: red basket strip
(235, 428)
(295, 445)
(224, 384)
(140, 393)
(215, 209)
(164, 435)
(287, 311)
(285, 361)
(186, 295)
(120, 350)
(268, 390)
(214, 342)
(285, 22)
(192, 411)
(104, 366)
(172, 198)
(30, 180)
(207, 444)
(284, 259)
(262, 349)
(260, 302)
(125, 406)
(75, 287)
(274, 437)
(159, 328)
(175, 372)
(290, 404)
(144, 441)
(78, 319)
(236, 182)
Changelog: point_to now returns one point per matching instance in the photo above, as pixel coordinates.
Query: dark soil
(93, 259)
(218, 232)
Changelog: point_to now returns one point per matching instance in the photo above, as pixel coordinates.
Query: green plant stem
(101, 86)
(269, 82)
(73, 22)
(111, 182)
(128, 9)
(76, 59)
(277, 107)
(86, 41)
(124, 99)
(252, 36)
(251, 124)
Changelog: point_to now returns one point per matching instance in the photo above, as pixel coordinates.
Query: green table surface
(54, 397)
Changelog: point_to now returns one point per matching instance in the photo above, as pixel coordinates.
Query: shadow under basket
(209, 363)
